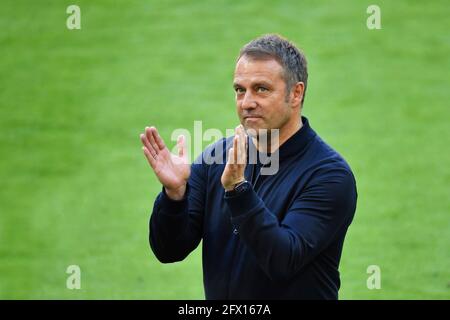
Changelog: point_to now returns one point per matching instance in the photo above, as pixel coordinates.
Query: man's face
(261, 94)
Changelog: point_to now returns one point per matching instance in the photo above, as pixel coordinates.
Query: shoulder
(328, 164)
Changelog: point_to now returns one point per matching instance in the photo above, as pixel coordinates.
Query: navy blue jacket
(281, 239)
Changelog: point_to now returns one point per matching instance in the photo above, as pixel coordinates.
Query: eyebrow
(257, 83)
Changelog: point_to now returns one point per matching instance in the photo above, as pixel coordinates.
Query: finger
(149, 157)
(236, 149)
(230, 156)
(242, 140)
(240, 148)
(245, 137)
(151, 139)
(147, 145)
(158, 139)
(246, 144)
(181, 146)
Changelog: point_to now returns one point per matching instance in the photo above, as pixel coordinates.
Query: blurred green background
(76, 188)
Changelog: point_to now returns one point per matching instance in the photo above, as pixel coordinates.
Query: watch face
(242, 187)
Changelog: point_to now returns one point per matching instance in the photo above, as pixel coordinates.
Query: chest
(277, 191)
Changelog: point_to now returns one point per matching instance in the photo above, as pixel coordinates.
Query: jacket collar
(296, 143)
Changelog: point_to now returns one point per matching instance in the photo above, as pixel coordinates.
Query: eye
(262, 89)
(239, 90)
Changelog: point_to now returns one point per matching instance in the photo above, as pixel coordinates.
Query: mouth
(252, 117)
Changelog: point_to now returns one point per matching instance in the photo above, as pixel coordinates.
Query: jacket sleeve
(176, 226)
(311, 223)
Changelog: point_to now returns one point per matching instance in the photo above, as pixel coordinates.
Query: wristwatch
(239, 188)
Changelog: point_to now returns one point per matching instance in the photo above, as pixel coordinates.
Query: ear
(297, 94)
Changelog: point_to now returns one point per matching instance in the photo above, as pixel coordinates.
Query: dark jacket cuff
(170, 206)
(243, 203)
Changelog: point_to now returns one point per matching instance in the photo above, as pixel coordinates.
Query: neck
(273, 140)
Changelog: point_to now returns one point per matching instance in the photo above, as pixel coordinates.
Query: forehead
(252, 70)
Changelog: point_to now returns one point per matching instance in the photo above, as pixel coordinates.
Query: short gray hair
(285, 52)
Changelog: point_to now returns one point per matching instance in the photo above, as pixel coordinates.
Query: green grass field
(76, 188)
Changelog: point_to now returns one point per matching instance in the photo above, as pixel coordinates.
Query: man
(273, 236)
